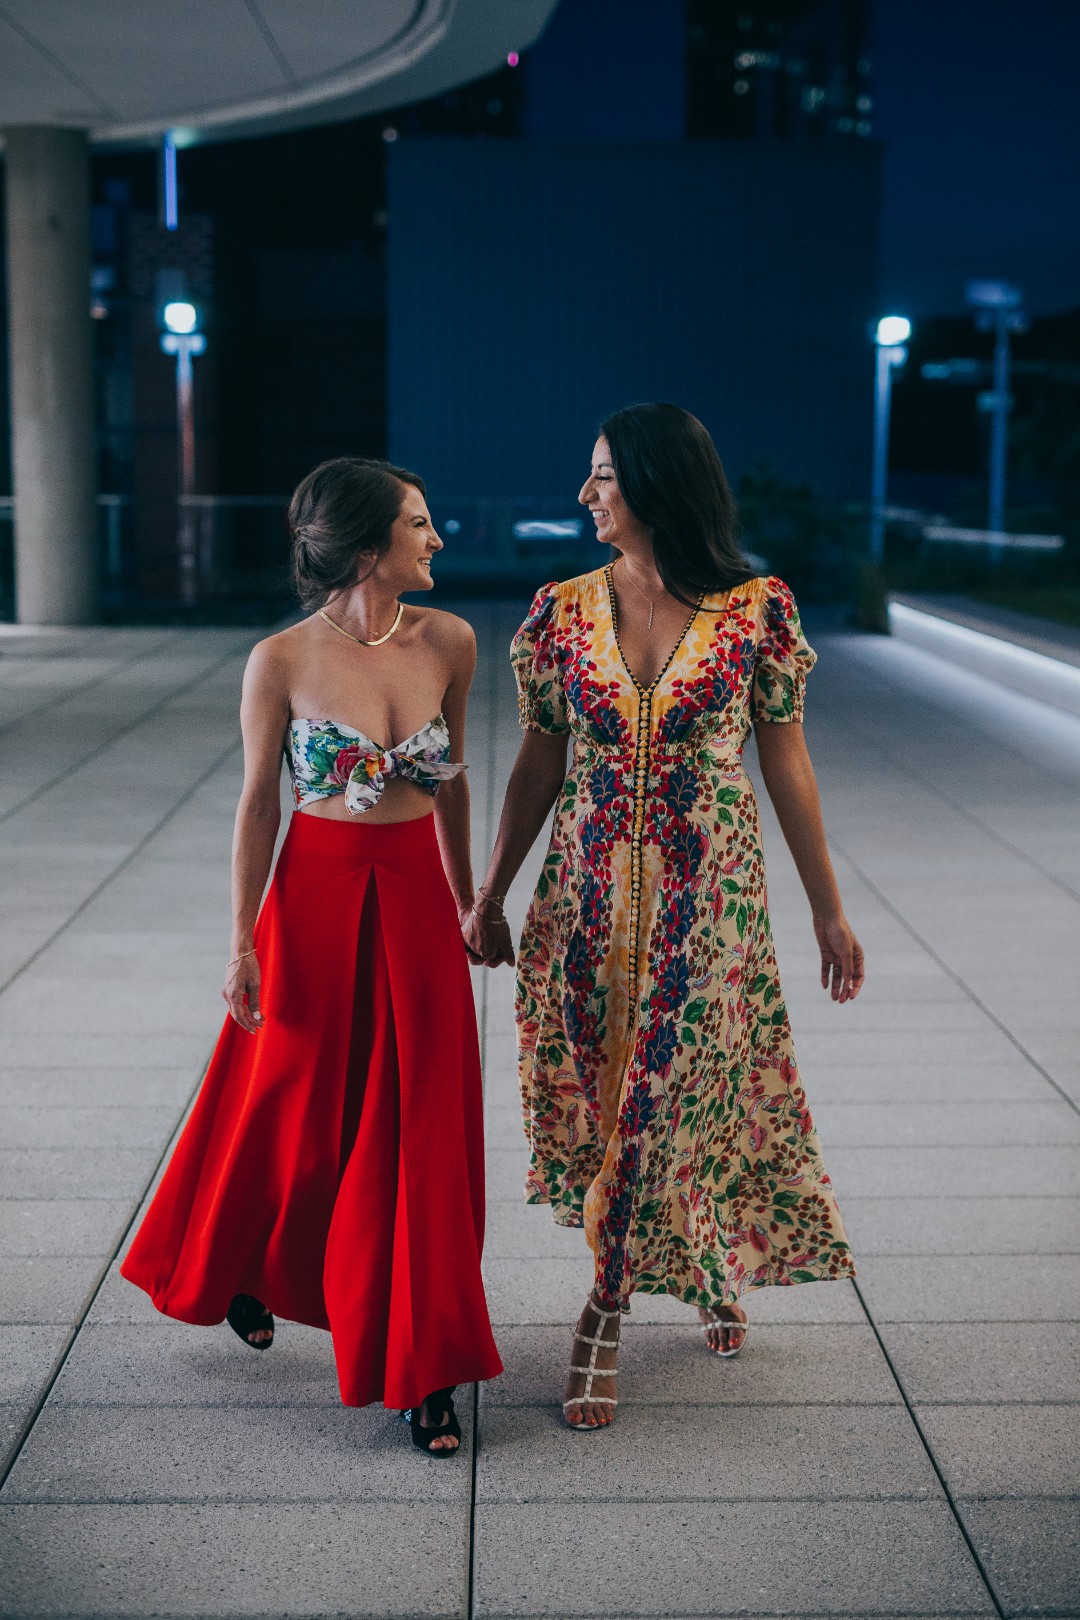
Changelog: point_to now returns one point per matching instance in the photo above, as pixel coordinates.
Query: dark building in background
(533, 287)
(606, 258)
(782, 70)
(280, 245)
(556, 247)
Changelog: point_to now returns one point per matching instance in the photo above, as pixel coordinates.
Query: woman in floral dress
(661, 1097)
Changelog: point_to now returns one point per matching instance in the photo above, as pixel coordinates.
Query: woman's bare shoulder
(273, 659)
(448, 632)
(290, 640)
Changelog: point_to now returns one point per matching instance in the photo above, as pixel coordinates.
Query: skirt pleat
(333, 1163)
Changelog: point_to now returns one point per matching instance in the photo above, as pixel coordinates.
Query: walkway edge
(1036, 674)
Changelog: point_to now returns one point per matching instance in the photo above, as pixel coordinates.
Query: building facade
(786, 70)
(534, 287)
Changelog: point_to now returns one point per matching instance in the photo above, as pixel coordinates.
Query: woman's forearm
(530, 795)
(792, 788)
(452, 828)
(254, 836)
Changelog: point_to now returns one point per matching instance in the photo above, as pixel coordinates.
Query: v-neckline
(644, 691)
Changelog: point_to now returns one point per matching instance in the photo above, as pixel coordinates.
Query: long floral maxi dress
(661, 1098)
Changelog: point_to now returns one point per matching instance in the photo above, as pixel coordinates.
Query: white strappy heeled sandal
(725, 1321)
(593, 1371)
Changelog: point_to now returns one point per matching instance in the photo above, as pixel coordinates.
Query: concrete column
(52, 375)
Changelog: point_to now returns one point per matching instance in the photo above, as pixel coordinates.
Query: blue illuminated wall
(534, 286)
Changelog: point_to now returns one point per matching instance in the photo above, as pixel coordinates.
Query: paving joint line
(931, 1198)
(485, 1010)
(95, 1289)
(924, 1441)
(846, 1402)
(470, 1560)
(957, 1254)
(87, 686)
(885, 1403)
(976, 820)
(887, 687)
(89, 1300)
(872, 739)
(124, 731)
(634, 1327)
(682, 1611)
(651, 1500)
(909, 927)
(836, 1146)
(132, 855)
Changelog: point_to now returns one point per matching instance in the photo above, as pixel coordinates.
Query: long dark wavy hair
(672, 479)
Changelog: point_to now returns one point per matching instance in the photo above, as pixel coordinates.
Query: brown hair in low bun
(346, 507)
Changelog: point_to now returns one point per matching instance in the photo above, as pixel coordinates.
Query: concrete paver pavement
(903, 1445)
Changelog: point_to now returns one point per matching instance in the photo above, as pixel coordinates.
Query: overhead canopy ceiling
(129, 70)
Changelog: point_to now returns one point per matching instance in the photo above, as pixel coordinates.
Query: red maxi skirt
(333, 1163)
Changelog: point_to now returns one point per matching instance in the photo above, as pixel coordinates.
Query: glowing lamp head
(180, 317)
(891, 330)
(513, 59)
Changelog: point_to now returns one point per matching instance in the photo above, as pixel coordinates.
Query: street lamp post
(997, 306)
(890, 335)
(183, 339)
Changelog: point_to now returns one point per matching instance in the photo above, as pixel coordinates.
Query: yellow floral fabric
(661, 1097)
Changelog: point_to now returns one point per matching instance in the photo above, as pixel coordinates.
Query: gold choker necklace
(360, 642)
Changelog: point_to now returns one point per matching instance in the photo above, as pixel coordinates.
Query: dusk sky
(978, 103)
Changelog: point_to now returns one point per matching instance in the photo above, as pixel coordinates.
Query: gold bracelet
(497, 899)
(483, 899)
(483, 918)
(240, 958)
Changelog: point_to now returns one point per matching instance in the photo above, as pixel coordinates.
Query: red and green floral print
(660, 1092)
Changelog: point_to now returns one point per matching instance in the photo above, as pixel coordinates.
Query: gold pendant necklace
(360, 642)
(644, 598)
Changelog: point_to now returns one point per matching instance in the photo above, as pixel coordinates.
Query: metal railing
(938, 529)
(234, 548)
(231, 547)
(114, 544)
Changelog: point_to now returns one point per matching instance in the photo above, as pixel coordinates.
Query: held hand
(487, 939)
(842, 968)
(465, 919)
(241, 990)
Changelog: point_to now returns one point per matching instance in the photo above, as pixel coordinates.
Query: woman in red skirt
(332, 1168)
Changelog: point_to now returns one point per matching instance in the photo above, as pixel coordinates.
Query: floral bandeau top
(326, 758)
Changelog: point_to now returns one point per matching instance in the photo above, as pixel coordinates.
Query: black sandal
(247, 1315)
(423, 1434)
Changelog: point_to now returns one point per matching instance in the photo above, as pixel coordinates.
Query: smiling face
(405, 565)
(615, 524)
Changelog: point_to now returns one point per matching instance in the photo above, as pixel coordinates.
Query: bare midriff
(400, 801)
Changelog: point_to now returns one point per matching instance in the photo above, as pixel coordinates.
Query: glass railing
(235, 549)
(116, 550)
(228, 555)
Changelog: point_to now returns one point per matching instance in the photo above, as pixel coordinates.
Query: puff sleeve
(534, 655)
(783, 658)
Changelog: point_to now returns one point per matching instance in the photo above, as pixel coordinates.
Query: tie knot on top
(326, 757)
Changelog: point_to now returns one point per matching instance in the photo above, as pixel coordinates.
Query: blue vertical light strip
(168, 168)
